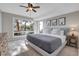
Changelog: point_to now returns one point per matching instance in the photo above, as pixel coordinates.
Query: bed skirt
(44, 53)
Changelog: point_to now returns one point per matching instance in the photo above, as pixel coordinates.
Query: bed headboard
(59, 29)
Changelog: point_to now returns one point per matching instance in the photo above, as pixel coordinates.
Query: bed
(46, 44)
(49, 43)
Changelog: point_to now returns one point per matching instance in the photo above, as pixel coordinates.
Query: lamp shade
(73, 29)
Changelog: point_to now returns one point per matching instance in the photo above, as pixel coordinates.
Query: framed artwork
(62, 21)
(48, 22)
(54, 22)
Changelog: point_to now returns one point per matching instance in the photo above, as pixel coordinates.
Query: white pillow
(57, 32)
(61, 32)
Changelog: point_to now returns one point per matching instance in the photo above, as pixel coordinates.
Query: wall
(7, 23)
(72, 19)
(0, 22)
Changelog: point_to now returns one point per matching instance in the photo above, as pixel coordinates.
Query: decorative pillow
(57, 31)
(48, 31)
(61, 32)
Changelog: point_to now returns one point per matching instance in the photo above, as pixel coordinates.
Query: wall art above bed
(54, 22)
(48, 23)
(62, 21)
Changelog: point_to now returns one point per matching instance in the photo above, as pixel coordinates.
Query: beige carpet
(19, 48)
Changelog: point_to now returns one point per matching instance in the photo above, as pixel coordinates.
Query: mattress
(45, 42)
(62, 37)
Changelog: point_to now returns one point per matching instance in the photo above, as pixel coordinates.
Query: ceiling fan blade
(36, 7)
(34, 10)
(23, 6)
(27, 10)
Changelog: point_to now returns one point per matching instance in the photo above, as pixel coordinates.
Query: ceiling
(46, 10)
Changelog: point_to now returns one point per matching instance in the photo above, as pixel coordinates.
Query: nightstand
(72, 40)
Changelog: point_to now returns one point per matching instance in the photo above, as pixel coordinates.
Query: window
(22, 25)
(29, 26)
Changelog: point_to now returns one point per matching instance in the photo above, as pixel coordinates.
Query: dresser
(3, 43)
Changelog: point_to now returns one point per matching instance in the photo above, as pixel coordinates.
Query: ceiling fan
(30, 7)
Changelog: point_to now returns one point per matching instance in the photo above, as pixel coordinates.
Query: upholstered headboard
(58, 30)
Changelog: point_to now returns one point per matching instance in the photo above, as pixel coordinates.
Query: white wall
(72, 19)
(0, 22)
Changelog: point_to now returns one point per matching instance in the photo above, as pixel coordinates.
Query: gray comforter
(47, 43)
